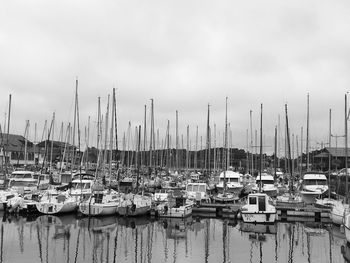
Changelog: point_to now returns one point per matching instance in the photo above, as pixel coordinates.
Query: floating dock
(304, 213)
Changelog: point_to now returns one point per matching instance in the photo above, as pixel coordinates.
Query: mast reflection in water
(118, 239)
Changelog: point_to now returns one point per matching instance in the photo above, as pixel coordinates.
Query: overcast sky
(183, 54)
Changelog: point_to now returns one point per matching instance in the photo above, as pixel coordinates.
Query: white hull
(98, 209)
(260, 217)
(130, 211)
(51, 208)
(309, 197)
(236, 190)
(179, 212)
(259, 209)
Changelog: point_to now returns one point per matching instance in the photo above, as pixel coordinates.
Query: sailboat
(224, 196)
(104, 202)
(289, 198)
(54, 202)
(134, 204)
(259, 207)
(346, 221)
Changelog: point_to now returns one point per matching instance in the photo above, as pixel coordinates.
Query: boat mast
(111, 141)
(251, 143)
(225, 145)
(261, 145)
(151, 137)
(177, 141)
(208, 143)
(329, 155)
(307, 136)
(275, 157)
(346, 152)
(289, 153)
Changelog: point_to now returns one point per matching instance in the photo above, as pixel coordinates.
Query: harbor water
(69, 238)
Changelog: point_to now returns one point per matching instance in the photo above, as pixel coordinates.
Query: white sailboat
(101, 203)
(135, 205)
(54, 202)
(224, 196)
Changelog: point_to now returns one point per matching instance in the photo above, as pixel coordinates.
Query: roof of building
(14, 142)
(337, 151)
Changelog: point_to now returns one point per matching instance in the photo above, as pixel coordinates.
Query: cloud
(184, 54)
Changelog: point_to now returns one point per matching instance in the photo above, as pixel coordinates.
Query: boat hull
(98, 209)
(176, 212)
(309, 197)
(48, 208)
(259, 217)
(129, 210)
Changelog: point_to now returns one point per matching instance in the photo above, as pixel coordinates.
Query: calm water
(112, 239)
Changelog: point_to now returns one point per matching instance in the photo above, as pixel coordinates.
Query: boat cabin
(314, 179)
(265, 179)
(259, 201)
(230, 177)
(197, 191)
(22, 175)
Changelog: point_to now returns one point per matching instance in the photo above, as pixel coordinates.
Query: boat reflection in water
(67, 238)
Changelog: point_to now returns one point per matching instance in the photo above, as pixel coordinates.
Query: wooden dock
(304, 213)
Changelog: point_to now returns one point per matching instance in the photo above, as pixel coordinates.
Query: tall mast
(111, 141)
(261, 145)
(346, 150)
(329, 155)
(187, 147)
(275, 159)
(106, 134)
(307, 135)
(52, 138)
(144, 135)
(214, 147)
(116, 132)
(208, 143)
(74, 120)
(168, 146)
(177, 141)
(251, 143)
(196, 150)
(151, 136)
(301, 153)
(289, 152)
(225, 145)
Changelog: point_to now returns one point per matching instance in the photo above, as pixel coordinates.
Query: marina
(172, 131)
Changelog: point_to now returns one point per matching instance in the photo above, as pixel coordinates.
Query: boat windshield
(233, 180)
(315, 182)
(79, 185)
(20, 175)
(265, 181)
(196, 188)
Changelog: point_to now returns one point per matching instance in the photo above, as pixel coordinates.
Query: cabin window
(195, 188)
(315, 182)
(233, 180)
(252, 200)
(262, 203)
(190, 187)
